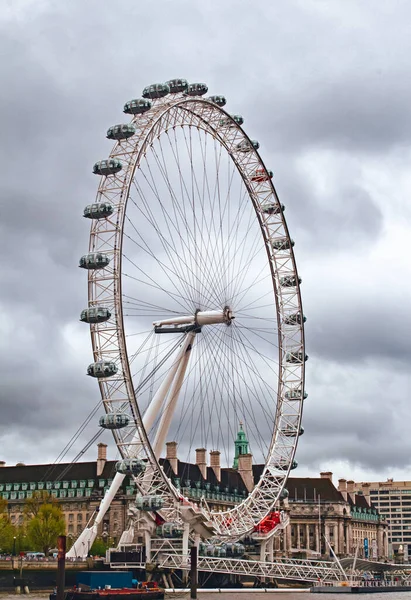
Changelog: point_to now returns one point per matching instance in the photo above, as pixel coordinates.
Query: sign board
(365, 547)
(374, 549)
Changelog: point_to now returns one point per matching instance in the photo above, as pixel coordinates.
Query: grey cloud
(308, 80)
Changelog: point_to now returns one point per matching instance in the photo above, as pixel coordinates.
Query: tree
(33, 504)
(7, 529)
(44, 528)
(98, 548)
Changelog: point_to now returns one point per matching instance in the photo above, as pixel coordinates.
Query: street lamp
(14, 546)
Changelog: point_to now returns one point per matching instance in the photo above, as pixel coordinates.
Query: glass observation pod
(262, 175)
(289, 281)
(121, 131)
(149, 502)
(231, 121)
(169, 530)
(156, 90)
(95, 314)
(284, 494)
(294, 319)
(130, 466)
(101, 369)
(295, 394)
(284, 467)
(234, 549)
(282, 244)
(197, 89)
(296, 357)
(218, 100)
(114, 421)
(272, 208)
(94, 260)
(292, 431)
(111, 166)
(246, 146)
(137, 106)
(177, 85)
(99, 210)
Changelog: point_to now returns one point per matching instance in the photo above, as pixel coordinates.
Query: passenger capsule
(130, 466)
(231, 121)
(284, 466)
(101, 369)
(282, 244)
(111, 166)
(149, 503)
(292, 431)
(246, 146)
(197, 89)
(114, 421)
(295, 394)
(156, 90)
(177, 85)
(284, 494)
(289, 281)
(273, 208)
(137, 106)
(121, 132)
(296, 357)
(99, 210)
(95, 314)
(294, 319)
(169, 530)
(94, 260)
(261, 175)
(218, 100)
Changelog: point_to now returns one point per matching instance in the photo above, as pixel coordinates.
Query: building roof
(57, 472)
(312, 489)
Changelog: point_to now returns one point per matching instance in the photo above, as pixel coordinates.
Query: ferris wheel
(194, 301)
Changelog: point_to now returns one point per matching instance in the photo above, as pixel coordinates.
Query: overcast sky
(325, 87)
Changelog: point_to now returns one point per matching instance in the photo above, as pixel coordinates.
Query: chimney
(201, 461)
(350, 489)
(101, 457)
(171, 456)
(326, 475)
(2, 463)
(342, 488)
(245, 468)
(215, 463)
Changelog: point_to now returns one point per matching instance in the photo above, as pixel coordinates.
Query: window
(101, 482)
(29, 494)
(65, 484)
(79, 517)
(32, 485)
(74, 483)
(24, 486)
(88, 492)
(49, 485)
(90, 483)
(71, 517)
(71, 493)
(70, 528)
(21, 495)
(82, 483)
(63, 493)
(79, 493)
(16, 486)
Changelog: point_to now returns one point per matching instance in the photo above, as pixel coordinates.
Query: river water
(250, 595)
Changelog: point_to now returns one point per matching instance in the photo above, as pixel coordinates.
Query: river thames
(249, 595)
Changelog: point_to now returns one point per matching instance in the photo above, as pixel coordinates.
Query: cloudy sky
(325, 87)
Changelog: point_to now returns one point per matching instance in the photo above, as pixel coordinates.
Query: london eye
(194, 307)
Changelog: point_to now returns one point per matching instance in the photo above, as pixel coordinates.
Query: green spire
(241, 446)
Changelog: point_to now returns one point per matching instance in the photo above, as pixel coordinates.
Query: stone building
(393, 501)
(316, 508)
